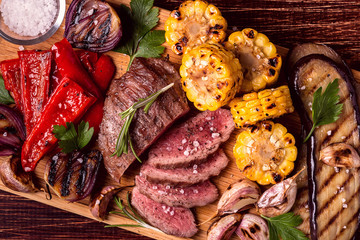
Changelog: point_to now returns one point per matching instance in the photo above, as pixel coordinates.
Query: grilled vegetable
(93, 25)
(254, 107)
(333, 209)
(210, 76)
(340, 155)
(253, 227)
(194, 23)
(13, 176)
(10, 70)
(72, 176)
(223, 228)
(100, 203)
(265, 152)
(258, 56)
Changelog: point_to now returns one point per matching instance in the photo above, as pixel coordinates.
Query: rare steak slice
(176, 221)
(186, 176)
(192, 141)
(145, 77)
(195, 195)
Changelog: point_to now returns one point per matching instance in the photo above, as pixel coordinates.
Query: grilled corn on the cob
(210, 76)
(266, 104)
(194, 23)
(265, 152)
(258, 56)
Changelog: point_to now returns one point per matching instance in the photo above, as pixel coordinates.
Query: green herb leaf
(326, 108)
(137, 22)
(283, 227)
(124, 139)
(70, 139)
(5, 97)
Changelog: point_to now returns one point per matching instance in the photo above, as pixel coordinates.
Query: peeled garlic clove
(223, 228)
(278, 199)
(340, 155)
(99, 204)
(14, 177)
(238, 196)
(253, 227)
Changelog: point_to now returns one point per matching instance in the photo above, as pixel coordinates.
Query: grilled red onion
(72, 177)
(92, 25)
(15, 120)
(13, 176)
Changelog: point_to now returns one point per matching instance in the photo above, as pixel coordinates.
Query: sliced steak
(145, 77)
(192, 141)
(187, 176)
(176, 221)
(195, 195)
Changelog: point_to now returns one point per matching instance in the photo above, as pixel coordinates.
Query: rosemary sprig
(135, 217)
(124, 140)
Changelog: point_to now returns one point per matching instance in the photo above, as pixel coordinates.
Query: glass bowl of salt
(28, 22)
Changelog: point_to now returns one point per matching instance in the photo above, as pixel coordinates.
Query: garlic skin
(253, 227)
(238, 196)
(100, 203)
(278, 199)
(340, 155)
(224, 227)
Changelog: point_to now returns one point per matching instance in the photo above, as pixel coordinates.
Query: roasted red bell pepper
(10, 70)
(55, 76)
(88, 59)
(104, 72)
(35, 83)
(67, 104)
(70, 66)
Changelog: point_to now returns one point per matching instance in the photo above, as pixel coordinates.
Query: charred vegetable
(313, 66)
(253, 227)
(72, 176)
(210, 76)
(340, 155)
(99, 204)
(223, 228)
(265, 152)
(258, 56)
(93, 25)
(192, 24)
(13, 176)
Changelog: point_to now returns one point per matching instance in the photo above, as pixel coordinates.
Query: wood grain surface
(288, 22)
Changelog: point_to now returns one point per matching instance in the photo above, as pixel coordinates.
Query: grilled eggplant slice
(333, 192)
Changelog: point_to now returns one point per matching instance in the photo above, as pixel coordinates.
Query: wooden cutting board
(228, 176)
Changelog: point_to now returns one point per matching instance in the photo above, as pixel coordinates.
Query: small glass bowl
(15, 38)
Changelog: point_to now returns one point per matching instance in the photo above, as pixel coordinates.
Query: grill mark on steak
(145, 77)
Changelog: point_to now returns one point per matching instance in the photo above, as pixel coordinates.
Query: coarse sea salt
(30, 17)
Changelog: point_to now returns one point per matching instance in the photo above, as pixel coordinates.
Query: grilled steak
(176, 221)
(192, 141)
(145, 77)
(186, 176)
(199, 194)
(335, 201)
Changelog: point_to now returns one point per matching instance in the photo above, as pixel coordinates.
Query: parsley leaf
(325, 107)
(5, 97)
(284, 226)
(70, 139)
(137, 23)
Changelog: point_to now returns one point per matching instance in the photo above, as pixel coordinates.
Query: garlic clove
(224, 227)
(253, 227)
(100, 203)
(238, 196)
(340, 155)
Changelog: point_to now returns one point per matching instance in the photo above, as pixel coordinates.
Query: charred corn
(266, 104)
(265, 152)
(210, 76)
(194, 23)
(258, 56)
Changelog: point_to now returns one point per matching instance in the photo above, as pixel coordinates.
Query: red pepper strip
(35, 83)
(67, 104)
(94, 116)
(10, 70)
(55, 77)
(88, 60)
(104, 72)
(70, 66)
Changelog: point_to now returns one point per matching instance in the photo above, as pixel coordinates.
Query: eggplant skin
(334, 209)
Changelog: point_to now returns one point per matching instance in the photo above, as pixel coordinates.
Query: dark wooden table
(285, 22)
